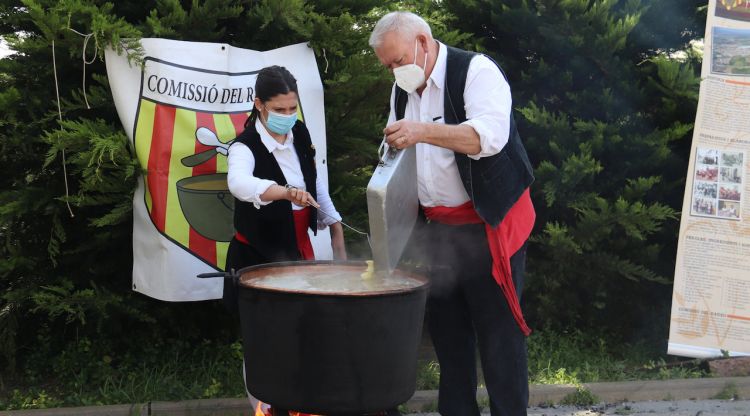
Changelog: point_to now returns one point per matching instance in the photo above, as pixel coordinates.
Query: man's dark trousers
(465, 309)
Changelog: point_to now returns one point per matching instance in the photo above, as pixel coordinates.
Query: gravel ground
(655, 408)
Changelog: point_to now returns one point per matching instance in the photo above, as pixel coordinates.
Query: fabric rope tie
(62, 149)
(86, 38)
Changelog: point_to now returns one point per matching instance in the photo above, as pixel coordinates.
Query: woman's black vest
(270, 228)
(493, 183)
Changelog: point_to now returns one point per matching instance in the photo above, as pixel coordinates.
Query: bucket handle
(386, 152)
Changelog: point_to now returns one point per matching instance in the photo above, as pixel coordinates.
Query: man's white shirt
(487, 102)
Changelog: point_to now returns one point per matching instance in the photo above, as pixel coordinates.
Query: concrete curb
(426, 400)
(615, 392)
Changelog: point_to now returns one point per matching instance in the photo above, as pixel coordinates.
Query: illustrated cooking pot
(313, 345)
(207, 205)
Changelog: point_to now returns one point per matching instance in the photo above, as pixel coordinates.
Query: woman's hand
(337, 241)
(300, 197)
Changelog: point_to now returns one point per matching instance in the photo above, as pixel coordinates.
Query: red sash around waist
(301, 223)
(504, 241)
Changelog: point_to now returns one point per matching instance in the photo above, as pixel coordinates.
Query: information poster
(711, 297)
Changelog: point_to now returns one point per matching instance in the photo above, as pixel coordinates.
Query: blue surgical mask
(280, 123)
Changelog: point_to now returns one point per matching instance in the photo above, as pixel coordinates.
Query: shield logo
(186, 193)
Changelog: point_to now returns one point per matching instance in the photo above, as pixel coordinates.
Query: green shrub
(581, 397)
(729, 392)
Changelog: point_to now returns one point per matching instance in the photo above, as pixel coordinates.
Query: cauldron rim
(241, 281)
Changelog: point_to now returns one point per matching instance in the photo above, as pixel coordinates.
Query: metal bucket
(392, 205)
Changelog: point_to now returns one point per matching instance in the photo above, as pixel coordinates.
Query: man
(473, 177)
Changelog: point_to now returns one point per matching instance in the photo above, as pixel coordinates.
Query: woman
(273, 178)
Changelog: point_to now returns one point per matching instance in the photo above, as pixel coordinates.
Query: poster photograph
(731, 51)
(717, 190)
(733, 9)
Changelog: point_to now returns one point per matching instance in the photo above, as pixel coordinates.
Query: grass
(89, 374)
(729, 392)
(581, 397)
(575, 358)
(428, 375)
(83, 377)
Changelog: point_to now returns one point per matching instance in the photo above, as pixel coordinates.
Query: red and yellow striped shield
(187, 200)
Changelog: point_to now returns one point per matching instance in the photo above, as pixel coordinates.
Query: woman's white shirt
(247, 187)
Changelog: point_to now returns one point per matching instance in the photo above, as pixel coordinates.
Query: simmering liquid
(335, 281)
(210, 185)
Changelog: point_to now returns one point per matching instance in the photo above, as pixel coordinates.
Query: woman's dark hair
(271, 81)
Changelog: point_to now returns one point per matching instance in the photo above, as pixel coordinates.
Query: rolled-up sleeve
(487, 101)
(242, 184)
(328, 214)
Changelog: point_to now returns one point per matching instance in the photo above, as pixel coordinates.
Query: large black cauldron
(330, 353)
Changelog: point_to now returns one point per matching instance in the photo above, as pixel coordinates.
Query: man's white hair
(406, 24)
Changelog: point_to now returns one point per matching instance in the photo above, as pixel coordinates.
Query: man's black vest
(270, 228)
(493, 183)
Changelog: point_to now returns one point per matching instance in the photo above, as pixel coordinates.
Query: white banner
(711, 295)
(182, 207)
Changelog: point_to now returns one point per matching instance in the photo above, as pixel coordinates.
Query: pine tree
(65, 273)
(50, 254)
(606, 115)
(603, 105)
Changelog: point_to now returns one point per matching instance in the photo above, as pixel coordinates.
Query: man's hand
(337, 241)
(404, 133)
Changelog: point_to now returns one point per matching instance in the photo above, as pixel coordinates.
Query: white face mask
(410, 77)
